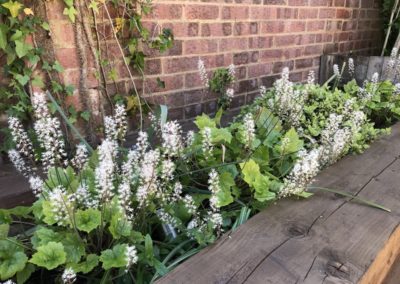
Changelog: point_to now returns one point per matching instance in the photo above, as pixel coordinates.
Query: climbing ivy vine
(26, 63)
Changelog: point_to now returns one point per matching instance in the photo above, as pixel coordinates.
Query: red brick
(245, 28)
(303, 63)
(263, 13)
(193, 80)
(287, 13)
(343, 13)
(216, 29)
(309, 13)
(72, 77)
(183, 29)
(235, 12)
(313, 50)
(295, 26)
(320, 2)
(62, 33)
(273, 27)
(259, 70)
(275, 2)
(152, 66)
(298, 2)
(260, 42)
(245, 57)
(229, 44)
(307, 39)
(180, 64)
(326, 13)
(172, 83)
(287, 40)
(67, 57)
(165, 12)
(291, 53)
(271, 55)
(201, 12)
(200, 46)
(339, 3)
(315, 25)
(353, 3)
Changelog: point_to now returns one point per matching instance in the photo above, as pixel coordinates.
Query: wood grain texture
(325, 239)
(14, 188)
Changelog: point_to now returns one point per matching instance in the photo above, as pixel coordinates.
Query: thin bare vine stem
(126, 65)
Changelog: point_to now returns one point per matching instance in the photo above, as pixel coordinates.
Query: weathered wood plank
(321, 239)
(14, 188)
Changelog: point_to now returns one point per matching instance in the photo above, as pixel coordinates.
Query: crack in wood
(264, 258)
(362, 188)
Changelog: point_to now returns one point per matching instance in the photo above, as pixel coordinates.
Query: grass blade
(346, 194)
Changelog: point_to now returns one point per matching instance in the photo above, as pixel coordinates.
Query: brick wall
(259, 36)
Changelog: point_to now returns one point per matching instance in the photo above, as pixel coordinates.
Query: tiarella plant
(130, 215)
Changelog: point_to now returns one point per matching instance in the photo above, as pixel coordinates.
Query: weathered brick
(183, 29)
(316, 26)
(287, 13)
(343, 13)
(303, 63)
(235, 12)
(165, 11)
(326, 13)
(295, 26)
(298, 2)
(287, 40)
(271, 55)
(263, 13)
(216, 29)
(260, 42)
(152, 66)
(200, 46)
(245, 57)
(308, 13)
(275, 2)
(258, 70)
(272, 27)
(172, 83)
(202, 12)
(229, 44)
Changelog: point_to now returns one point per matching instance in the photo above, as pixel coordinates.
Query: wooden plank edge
(383, 263)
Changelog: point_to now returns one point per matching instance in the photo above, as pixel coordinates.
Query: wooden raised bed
(324, 239)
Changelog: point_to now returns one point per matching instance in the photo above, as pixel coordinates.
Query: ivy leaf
(120, 227)
(71, 13)
(73, 247)
(46, 26)
(22, 48)
(87, 220)
(57, 67)
(12, 259)
(114, 257)
(3, 36)
(49, 256)
(85, 115)
(86, 266)
(13, 7)
(93, 5)
(23, 275)
(43, 236)
(23, 80)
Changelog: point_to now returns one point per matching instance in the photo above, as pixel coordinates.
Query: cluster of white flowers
(207, 145)
(262, 90)
(231, 70)
(167, 218)
(203, 73)
(104, 173)
(81, 157)
(250, 128)
(116, 126)
(230, 93)
(131, 256)
(189, 204)
(84, 197)
(19, 163)
(68, 276)
(124, 199)
(336, 72)
(48, 131)
(303, 173)
(351, 66)
(148, 177)
(190, 138)
(36, 184)
(287, 102)
(310, 79)
(61, 202)
(167, 170)
(20, 137)
(171, 135)
(8, 282)
(214, 187)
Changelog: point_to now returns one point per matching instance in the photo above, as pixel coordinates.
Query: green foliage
(114, 257)
(219, 83)
(12, 259)
(49, 256)
(87, 220)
